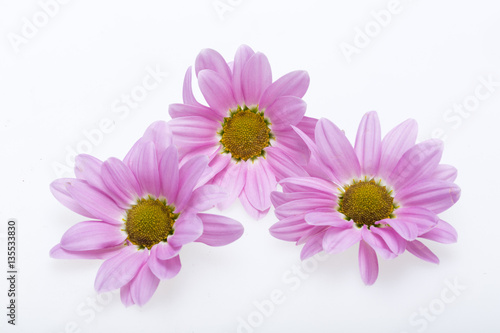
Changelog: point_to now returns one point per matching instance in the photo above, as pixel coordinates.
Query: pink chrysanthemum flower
(382, 194)
(142, 211)
(246, 130)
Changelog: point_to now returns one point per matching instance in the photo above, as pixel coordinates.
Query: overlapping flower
(382, 194)
(142, 211)
(246, 130)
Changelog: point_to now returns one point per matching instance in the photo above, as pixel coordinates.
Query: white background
(67, 76)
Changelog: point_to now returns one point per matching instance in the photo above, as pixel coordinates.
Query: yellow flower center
(245, 134)
(149, 222)
(366, 202)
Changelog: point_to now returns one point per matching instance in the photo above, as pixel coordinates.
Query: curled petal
(164, 269)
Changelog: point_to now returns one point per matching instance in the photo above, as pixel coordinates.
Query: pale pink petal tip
(219, 230)
(368, 263)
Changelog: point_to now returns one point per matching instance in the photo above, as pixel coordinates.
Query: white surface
(67, 77)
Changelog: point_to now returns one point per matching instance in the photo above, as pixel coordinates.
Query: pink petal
(88, 168)
(290, 229)
(218, 165)
(169, 173)
(164, 269)
(185, 110)
(423, 218)
(187, 229)
(368, 144)
(292, 145)
(146, 170)
(120, 269)
(250, 209)
(125, 295)
(407, 230)
(211, 59)
(194, 129)
(255, 78)
(421, 251)
(286, 111)
(331, 218)
(283, 166)
(394, 241)
(189, 175)
(309, 184)
(301, 207)
(436, 196)
(232, 179)
(279, 198)
(57, 252)
(143, 286)
(120, 181)
(243, 54)
(259, 184)
(95, 202)
(206, 197)
(59, 190)
(219, 230)
(368, 263)
(187, 90)
(316, 166)
(418, 162)
(443, 232)
(308, 126)
(333, 144)
(395, 144)
(337, 240)
(292, 84)
(92, 235)
(377, 243)
(312, 246)
(160, 134)
(165, 250)
(217, 91)
(446, 173)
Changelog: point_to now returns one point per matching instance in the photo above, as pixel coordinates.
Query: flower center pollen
(366, 202)
(245, 134)
(149, 222)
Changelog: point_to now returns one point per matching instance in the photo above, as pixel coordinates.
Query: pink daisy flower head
(246, 129)
(141, 212)
(380, 194)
